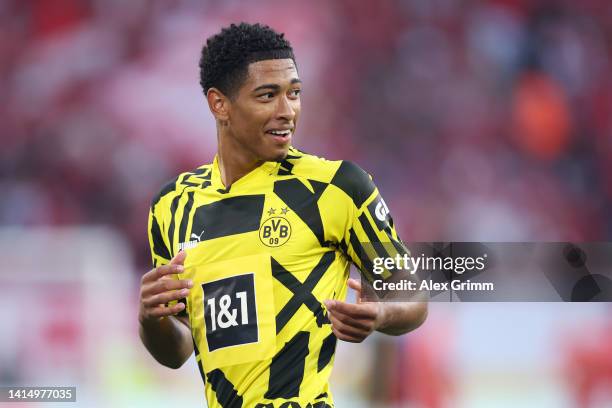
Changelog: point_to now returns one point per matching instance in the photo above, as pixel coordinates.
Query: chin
(278, 156)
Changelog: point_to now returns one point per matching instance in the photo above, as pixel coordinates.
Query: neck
(234, 161)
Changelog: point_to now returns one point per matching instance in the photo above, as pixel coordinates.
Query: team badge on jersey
(276, 230)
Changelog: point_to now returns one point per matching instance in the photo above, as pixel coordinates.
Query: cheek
(254, 115)
(245, 122)
(297, 109)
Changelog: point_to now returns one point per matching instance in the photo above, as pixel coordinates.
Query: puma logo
(195, 240)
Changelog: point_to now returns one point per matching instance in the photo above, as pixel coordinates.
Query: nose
(285, 109)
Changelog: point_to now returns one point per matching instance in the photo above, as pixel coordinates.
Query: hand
(353, 322)
(157, 288)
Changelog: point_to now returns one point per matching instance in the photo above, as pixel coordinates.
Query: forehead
(275, 71)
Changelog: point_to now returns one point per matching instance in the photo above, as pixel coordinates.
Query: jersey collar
(269, 168)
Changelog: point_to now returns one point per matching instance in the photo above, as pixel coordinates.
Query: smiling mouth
(285, 132)
(281, 135)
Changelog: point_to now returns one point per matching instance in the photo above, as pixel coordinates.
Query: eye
(295, 93)
(267, 95)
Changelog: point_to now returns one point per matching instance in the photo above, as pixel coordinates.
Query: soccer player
(251, 253)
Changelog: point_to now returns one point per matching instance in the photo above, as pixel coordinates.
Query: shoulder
(198, 177)
(302, 164)
(344, 174)
(354, 181)
(309, 166)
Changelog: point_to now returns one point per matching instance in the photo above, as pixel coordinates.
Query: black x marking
(302, 292)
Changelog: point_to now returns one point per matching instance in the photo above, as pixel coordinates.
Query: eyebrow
(275, 87)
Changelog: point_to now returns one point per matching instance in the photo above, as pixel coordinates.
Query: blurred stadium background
(480, 120)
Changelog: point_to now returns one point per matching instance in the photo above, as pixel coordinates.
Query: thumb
(179, 259)
(356, 286)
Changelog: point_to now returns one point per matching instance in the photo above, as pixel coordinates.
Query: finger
(356, 286)
(156, 273)
(174, 267)
(179, 259)
(163, 298)
(149, 276)
(169, 269)
(168, 285)
(347, 329)
(360, 310)
(164, 285)
(163, 311)
(363, 323)
(345, 337)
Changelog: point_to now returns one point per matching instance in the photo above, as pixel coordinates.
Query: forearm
(168, 340)
(401, 317)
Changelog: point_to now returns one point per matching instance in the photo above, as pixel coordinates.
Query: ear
(219, 104)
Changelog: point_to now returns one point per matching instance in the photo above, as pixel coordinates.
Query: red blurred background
(479, 120)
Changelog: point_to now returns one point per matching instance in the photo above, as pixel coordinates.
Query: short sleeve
(158, 241)
(160, 253)
(369, 231)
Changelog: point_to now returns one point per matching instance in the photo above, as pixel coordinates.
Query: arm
(401, 317)
(355, 322)
(369, 223)
(165, 335)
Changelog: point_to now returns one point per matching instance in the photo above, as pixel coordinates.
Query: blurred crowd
(479, 120)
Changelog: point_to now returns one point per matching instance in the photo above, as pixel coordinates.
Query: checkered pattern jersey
(264, 254)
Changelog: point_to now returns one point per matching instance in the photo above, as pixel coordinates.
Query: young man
(252, 252)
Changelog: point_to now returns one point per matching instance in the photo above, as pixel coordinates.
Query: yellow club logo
(275, 231)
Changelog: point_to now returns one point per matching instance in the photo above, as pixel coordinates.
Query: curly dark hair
(226, 56)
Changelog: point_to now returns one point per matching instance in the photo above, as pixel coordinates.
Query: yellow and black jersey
(264, 254)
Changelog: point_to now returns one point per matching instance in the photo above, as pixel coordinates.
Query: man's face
(265, 110)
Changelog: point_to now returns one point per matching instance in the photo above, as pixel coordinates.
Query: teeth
(280, 132)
